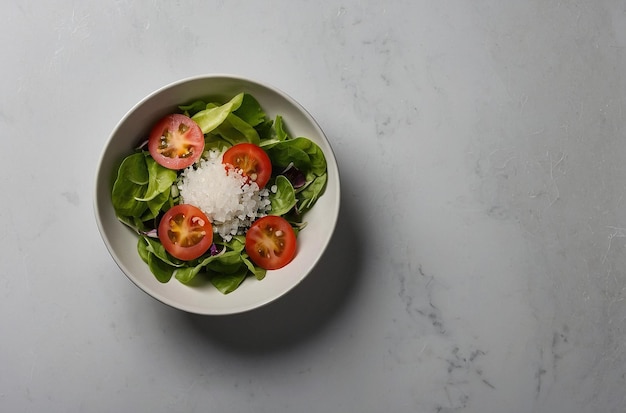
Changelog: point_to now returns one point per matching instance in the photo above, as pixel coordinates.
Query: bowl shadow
(304, 311)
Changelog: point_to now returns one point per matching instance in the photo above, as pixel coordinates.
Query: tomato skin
(185, 232)
(176, 141)
(253, 162)
(271, 242)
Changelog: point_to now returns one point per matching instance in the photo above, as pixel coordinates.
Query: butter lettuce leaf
(212, 117)
(284, 199)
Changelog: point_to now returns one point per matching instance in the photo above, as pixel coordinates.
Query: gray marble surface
(479, 260)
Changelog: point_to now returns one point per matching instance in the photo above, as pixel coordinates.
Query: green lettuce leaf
(284, 199)
(250, 111)
(212, 117)
(160, 179)
(130, 184)
(309, 196)
(227, 283)
(234, 130)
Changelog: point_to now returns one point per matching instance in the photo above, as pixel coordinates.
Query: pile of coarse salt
(230, 203)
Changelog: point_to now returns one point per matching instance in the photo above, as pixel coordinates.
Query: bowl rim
(101, 162)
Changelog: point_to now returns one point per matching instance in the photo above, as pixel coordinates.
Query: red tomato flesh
(176, 141)
(251, 160)
(185, 232)
(271, 242)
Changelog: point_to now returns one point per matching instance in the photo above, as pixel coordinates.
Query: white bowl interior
(122, 242)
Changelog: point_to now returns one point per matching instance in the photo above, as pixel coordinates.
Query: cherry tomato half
(271, 242)
(251, 160)
(185, 232)
(176, 141)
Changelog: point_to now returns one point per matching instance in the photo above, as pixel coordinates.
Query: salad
(218, 191)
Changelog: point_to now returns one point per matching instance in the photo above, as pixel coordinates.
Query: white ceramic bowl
(122, 242)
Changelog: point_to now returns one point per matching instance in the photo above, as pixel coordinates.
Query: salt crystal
(227, 198)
